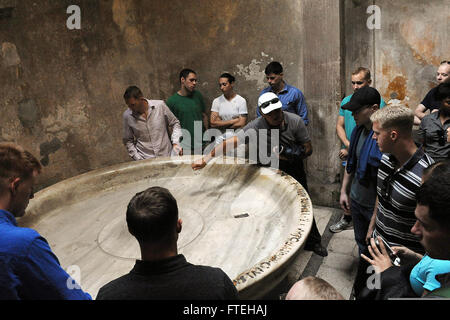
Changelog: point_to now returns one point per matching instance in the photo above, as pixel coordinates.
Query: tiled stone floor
(338, 268)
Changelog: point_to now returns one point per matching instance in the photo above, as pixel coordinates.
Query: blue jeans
(361, 217)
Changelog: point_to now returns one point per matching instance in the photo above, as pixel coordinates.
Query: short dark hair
(185, 72)
(436, 169)
(442, 91)
(152, 215)
(230, 78)
(15, 162)
(132, 92)
(435, 194)
(274, 67)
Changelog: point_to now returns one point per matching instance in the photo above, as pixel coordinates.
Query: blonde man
(312, 288)
(399, 177)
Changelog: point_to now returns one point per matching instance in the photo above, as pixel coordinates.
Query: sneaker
(341, 225)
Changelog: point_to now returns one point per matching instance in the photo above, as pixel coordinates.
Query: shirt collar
(8, 217)
(150, 108)
(411, 162)
(160, 266)
(284, 90)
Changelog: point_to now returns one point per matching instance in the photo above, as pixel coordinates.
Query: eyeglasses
(267, 103)
(270, 78)
(357, 82)
(442, 137)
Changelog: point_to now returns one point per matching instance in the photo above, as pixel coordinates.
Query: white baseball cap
(268, 102)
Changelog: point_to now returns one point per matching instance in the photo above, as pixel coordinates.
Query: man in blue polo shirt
(28, 268)
(291, 98)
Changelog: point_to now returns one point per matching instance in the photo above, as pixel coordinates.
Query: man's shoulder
(433, 116)
(265, 90)
(292, 117)
(127, 113)
(174, 98)
(240, 99)
(292, 89)
(111, 289)
(17, 240)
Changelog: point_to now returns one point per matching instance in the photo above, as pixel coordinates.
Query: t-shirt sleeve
(243, 107)
(301, 134)
(215, 105)
(428, 100)
(435, 268)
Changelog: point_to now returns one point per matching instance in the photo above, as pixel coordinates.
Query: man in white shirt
(149, 127)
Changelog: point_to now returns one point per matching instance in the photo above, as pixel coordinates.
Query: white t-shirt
(229, 109)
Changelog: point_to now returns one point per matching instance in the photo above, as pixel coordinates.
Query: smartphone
(394, 258)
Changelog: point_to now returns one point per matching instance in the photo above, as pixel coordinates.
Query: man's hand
(380, 260)
(343, 201)
(407, 255)
(177, 149)
(343, 153)
(369, 234)
(198, 164)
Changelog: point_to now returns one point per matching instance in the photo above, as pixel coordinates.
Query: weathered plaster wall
(405, 52)
(61, 92)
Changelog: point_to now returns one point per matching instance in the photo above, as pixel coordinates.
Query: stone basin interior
(247, 220)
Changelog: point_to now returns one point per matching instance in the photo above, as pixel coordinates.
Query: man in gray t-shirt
(279, 139)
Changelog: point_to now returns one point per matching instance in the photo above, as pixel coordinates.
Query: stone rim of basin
(72, 190)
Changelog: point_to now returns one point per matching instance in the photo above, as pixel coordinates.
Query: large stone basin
(249, 221)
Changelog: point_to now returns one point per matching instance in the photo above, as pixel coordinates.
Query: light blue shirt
(423, 275)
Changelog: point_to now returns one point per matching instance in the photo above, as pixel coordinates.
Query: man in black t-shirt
(430, 102)
(163, 274)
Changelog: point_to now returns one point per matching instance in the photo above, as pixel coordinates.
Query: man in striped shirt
(399, 177)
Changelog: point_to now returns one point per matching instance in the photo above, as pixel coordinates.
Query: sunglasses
(268, 103)
(442, 137)
(357, 82)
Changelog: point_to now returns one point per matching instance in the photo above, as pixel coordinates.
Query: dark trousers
(297, 171)
(361, 219)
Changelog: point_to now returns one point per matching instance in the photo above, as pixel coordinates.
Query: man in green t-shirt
(188, 106)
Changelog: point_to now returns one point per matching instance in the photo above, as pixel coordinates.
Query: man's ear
(394, 135)
(13, 185)
(179, 225)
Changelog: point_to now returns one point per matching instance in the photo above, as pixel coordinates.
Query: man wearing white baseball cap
(293, 145)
